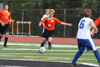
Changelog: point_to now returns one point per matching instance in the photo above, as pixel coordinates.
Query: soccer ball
(42, 50)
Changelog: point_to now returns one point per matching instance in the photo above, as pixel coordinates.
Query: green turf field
(59, 52)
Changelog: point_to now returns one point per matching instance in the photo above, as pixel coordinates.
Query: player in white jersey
(44, 16)
(84, 38)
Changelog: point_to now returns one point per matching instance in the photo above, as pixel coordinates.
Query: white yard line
(89, 64)
(54, 45)
(30, 44)
(22, 49)
(95, 65)
(37, 53)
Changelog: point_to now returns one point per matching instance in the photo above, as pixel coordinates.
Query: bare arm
(40, 24)
(10, 21)
(94, 29)
(68, 24)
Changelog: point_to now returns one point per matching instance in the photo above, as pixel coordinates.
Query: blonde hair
(46, 10)
(52, 10)
(87, 12)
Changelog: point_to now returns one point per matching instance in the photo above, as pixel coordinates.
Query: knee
(49, 40)
(43, 40)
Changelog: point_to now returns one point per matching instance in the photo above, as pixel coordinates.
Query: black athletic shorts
(47, 33)
(4, 29)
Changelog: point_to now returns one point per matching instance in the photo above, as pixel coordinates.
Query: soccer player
(96, 22)
(50, 26)
(84, 38)
(44, 16)
(5, 19)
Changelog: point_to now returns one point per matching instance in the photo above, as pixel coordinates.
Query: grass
(14, 52)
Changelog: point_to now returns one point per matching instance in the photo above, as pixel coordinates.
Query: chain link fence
(34, 15)
(66, 10)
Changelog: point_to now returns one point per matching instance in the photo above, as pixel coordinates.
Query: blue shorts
(86, 43)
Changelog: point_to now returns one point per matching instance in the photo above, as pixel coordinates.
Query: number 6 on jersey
(82, 24)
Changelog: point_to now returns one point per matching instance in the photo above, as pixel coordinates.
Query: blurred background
(70, 11)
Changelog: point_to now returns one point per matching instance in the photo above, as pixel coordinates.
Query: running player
(50, 26)
(5, 19)
(44, 16)
(84, 38)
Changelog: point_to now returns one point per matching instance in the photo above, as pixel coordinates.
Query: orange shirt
(97, 21)
(5, 16)
(49, 24)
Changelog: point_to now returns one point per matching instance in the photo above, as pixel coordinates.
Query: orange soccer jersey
(97, 21)
(5, 16)
(49, 24)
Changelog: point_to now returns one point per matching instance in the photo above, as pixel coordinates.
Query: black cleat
(5, 45)
(49, 46)
(74, 64)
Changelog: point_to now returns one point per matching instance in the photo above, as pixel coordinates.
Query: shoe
(5, 45)
(49, 46)
(74, 64)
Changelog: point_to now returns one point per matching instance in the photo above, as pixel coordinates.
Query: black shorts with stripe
(47, 33)
(4, 29)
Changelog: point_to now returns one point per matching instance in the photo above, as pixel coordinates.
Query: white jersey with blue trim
(45, 15)
(84, 28)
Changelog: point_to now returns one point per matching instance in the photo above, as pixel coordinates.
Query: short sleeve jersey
(97, 21)
(84, 27)
(5, 16)
(49, 24)
(45, 15)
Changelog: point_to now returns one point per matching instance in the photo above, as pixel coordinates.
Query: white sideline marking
(37, 53)
(36, 49)
(26, 44)
(89, 64)
(54, 45)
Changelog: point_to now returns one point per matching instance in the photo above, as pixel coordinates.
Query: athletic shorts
(86, 43)
(4, 29)
(47, 33)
